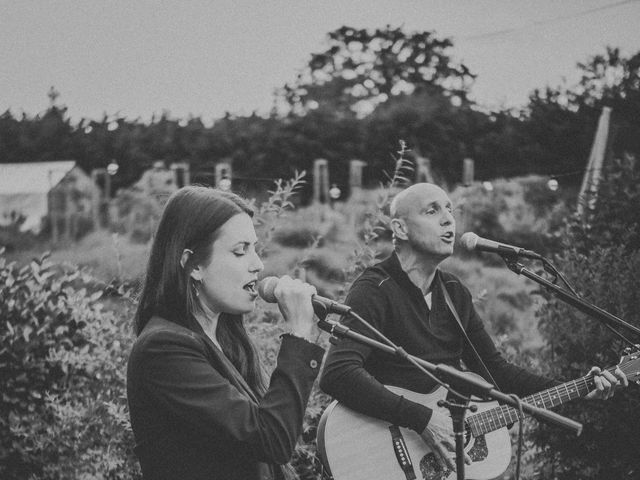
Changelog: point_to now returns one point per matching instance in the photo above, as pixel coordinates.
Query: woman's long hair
(191, 220)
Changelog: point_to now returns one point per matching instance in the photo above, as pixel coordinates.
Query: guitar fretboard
(498, 417)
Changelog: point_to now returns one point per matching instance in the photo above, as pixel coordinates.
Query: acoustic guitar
(353, 446)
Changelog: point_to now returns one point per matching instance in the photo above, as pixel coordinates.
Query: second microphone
(267, 286)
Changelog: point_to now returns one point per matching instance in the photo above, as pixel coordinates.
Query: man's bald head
(422, 222)
(413, 197)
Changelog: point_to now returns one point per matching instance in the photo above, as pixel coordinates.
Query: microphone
(470, 241)
(267, 285)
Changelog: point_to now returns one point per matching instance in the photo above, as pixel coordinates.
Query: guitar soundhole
(430, 468)
(479, 451)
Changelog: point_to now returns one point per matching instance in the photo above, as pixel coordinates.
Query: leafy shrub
(62, 367)
(317, 224)
(12, 238)
(601, 260)
(272, 212)
(478, 210)
(521, 212)
(543, 200)
(296, 236)
(137, 215)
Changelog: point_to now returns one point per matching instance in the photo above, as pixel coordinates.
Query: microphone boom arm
(569, 298)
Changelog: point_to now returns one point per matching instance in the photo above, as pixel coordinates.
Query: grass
(105, 255)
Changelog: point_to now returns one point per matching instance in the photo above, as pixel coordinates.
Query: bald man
(402, 296)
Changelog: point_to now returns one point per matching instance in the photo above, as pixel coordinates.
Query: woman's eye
(239, 253)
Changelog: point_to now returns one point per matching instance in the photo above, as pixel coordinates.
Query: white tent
(25, 187)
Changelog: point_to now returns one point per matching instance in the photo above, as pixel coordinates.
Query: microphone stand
(457, 408)
(598, 313)
(447, 373)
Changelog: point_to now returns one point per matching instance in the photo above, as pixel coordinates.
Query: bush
(62, 367)
(12, 238)
(137, 215)
(601, 260)
(521, 212)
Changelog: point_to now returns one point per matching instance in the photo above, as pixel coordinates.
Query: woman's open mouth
(251, 287)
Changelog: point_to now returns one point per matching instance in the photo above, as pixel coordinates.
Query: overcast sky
(133, 58)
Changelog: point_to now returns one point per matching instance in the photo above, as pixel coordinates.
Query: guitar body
(353, 446)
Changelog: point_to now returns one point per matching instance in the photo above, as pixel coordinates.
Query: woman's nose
(256, 264)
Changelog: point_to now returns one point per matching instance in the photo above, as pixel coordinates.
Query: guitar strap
(453, 310)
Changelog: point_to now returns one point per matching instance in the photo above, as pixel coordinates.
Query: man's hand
(606, 383)
(438, 435)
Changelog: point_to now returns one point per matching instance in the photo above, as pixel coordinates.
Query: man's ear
(399, 228)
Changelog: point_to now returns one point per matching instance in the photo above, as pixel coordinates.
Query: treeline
(357, 103)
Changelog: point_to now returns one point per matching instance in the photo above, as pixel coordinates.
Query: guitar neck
(501, 416)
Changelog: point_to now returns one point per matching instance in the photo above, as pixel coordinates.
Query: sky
(203, 58)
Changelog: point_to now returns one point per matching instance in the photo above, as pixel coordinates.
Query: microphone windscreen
(469, 241)
(266, 287)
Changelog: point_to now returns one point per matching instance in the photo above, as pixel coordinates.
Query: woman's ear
(398, 228)
(186, 254)
(195, 272)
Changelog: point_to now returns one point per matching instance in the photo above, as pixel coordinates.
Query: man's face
(426, 221)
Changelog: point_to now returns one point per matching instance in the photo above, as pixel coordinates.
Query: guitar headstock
(630, 364)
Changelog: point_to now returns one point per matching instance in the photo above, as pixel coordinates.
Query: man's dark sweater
(384, 296)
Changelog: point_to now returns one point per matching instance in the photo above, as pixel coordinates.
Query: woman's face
(229, 279)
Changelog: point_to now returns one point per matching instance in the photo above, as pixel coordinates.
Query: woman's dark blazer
(194, 416)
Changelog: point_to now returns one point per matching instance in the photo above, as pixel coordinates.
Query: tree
(362, 68)
(613, 80)
(432, 125)
(560, 122)
(608, 78)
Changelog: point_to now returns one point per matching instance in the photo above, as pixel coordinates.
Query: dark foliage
(601, 259)
(61, 364)
(552, 136)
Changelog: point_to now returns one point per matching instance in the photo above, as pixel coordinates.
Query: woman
(199, 406)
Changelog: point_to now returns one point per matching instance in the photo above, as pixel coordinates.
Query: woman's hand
(438, 435)
(606, 383)
(294, 302)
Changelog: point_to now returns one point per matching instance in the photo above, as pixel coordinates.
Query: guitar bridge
(402, 453)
